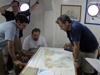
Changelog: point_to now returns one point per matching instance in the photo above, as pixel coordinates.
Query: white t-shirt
(30, 44)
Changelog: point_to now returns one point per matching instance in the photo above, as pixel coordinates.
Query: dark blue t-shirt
(79, 32)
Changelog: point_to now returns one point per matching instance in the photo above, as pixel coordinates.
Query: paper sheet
(46, 72)
(95, 63)
(30, 71)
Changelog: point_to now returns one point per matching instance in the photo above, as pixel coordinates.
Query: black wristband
(37, 2)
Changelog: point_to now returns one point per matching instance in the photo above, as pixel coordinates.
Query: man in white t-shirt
(33, 41)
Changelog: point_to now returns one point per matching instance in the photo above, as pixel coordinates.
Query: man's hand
(76, 64)
(25, 59)
(17, 62)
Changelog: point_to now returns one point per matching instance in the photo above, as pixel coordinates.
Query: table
(56, 60)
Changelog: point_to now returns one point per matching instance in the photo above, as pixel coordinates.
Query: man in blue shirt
(83, 40)
(9, 32)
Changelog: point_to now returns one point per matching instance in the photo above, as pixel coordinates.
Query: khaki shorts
(6, 52)
(86, 67)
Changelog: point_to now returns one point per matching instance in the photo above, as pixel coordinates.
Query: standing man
(9, 32)
(11, 15)
(83, 40)
(33, 42)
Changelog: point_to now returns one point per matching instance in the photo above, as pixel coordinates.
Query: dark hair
(22, 18)
(63, 18)
(36, 30)
(15, 1)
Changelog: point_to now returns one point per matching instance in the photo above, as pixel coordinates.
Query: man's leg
(8, 61)
(10, 64)
(2, 64)
(86, 67)
(5, 56)
(79, 70)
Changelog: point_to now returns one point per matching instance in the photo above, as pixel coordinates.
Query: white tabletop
(56, 60)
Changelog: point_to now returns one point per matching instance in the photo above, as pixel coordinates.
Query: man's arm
(12, 52)
(26, 52)
(76, 53)
(28, 12)
(25, 47)
(3, 8)
(18, 42)
(33, 6)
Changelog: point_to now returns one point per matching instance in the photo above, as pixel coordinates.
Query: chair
(17, 68)
(67, 44)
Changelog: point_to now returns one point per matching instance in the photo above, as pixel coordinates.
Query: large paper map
(57, 59)
(53, 59)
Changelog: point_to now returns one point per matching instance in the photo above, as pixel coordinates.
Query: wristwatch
(76, 60)
(37, 2)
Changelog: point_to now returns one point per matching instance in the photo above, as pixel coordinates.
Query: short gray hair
(63, 18)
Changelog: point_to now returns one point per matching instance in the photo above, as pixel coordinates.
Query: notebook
(30, 71)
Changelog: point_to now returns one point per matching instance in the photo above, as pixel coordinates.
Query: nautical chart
(54, 59)
(58, 59)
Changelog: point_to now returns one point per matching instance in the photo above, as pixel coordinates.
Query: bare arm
(3, 8)
(11, 50)
(33, 6)
(12, 53)
(76, 53)
(18, 42)
(76, 50)
(26, 52)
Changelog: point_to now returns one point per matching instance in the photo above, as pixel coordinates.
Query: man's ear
(66, 23)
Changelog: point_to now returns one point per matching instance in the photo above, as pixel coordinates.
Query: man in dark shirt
(11, 15)
(83, 40)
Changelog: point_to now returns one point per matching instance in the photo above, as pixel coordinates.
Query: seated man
(32, 42)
